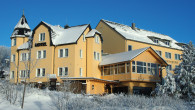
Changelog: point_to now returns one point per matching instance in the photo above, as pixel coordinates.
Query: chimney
(133, 26)
(66, 26)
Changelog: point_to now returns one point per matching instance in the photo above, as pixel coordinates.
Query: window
(183, 46)
(129, 47)
(133, 66)
(14, 42)
(12, 75)
(177, 56)
(41, 54)
(156, 41)
(154, 69)
(121, 68)
(81, 54)
(42, 37)
(92, 87)
(141, 67)
(96, 56)
(149, 68)
(168, 55)
(169, 67)
(159, 52)
(106, 70)
(13, 58)
(63, 53)
(81, 71)
(97, 39)
(167, 43)
(128, 67)
(24, 74)
(83, 37)
(24, 56)
(40, 72)
(63, 71)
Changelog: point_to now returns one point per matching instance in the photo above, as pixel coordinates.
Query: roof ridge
(136, 27)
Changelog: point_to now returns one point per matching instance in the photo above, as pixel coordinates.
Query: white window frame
(156, 41)
(168, 55)
(177, 57)
(64, 72)
(12, 75)
(41, 54)
(167, 43)
(96, 55)
(65, 53)
(81, 53)
(42, 37)
(24, 74)
(14, 42)
(41, 72)
(24, 56)
(81, 71)
(169, 67)
(83, 37)
(97, 39)
(13, 58)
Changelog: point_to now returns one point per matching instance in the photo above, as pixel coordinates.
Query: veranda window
(121, 68)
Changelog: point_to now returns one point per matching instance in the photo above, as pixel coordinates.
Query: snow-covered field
(51, 100)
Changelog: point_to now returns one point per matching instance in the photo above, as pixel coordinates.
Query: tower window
(14, 42)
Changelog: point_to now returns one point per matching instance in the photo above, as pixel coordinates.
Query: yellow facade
(116, 43)
(83, 60)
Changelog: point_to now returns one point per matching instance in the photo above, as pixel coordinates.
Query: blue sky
(175, 18)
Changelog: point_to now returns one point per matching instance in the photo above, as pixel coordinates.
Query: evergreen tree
(185, 73)
(182, 84)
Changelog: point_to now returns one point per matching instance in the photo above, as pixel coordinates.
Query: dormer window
(42, 37)
(167, 43)
(183, 46)
(156, 41)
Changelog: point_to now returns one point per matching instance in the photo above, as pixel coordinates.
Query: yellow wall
(14, 65)
(47, 62)
(147, 57)
(115, 43)
(112, 41)
(93, 69)
(98, 87)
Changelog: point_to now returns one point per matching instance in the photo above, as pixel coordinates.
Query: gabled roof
(92, 33)
(61, 36)
(22, 23)
(141, 35)
(124, 56)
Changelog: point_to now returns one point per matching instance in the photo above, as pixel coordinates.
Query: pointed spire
(23, 13)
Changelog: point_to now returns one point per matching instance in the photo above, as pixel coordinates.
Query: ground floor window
(62, 71)
(24, 74)
(40, 72)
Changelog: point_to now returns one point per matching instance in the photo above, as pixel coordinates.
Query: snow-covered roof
(22, 23)
(60, 35)
(142, 35)
(124, 56)
(92, 33)
(24, 46)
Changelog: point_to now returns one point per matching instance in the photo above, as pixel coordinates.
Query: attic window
(156, 41)
(167, 43)
(183, 46)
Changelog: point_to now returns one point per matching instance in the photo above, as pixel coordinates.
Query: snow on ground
(52, 100)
